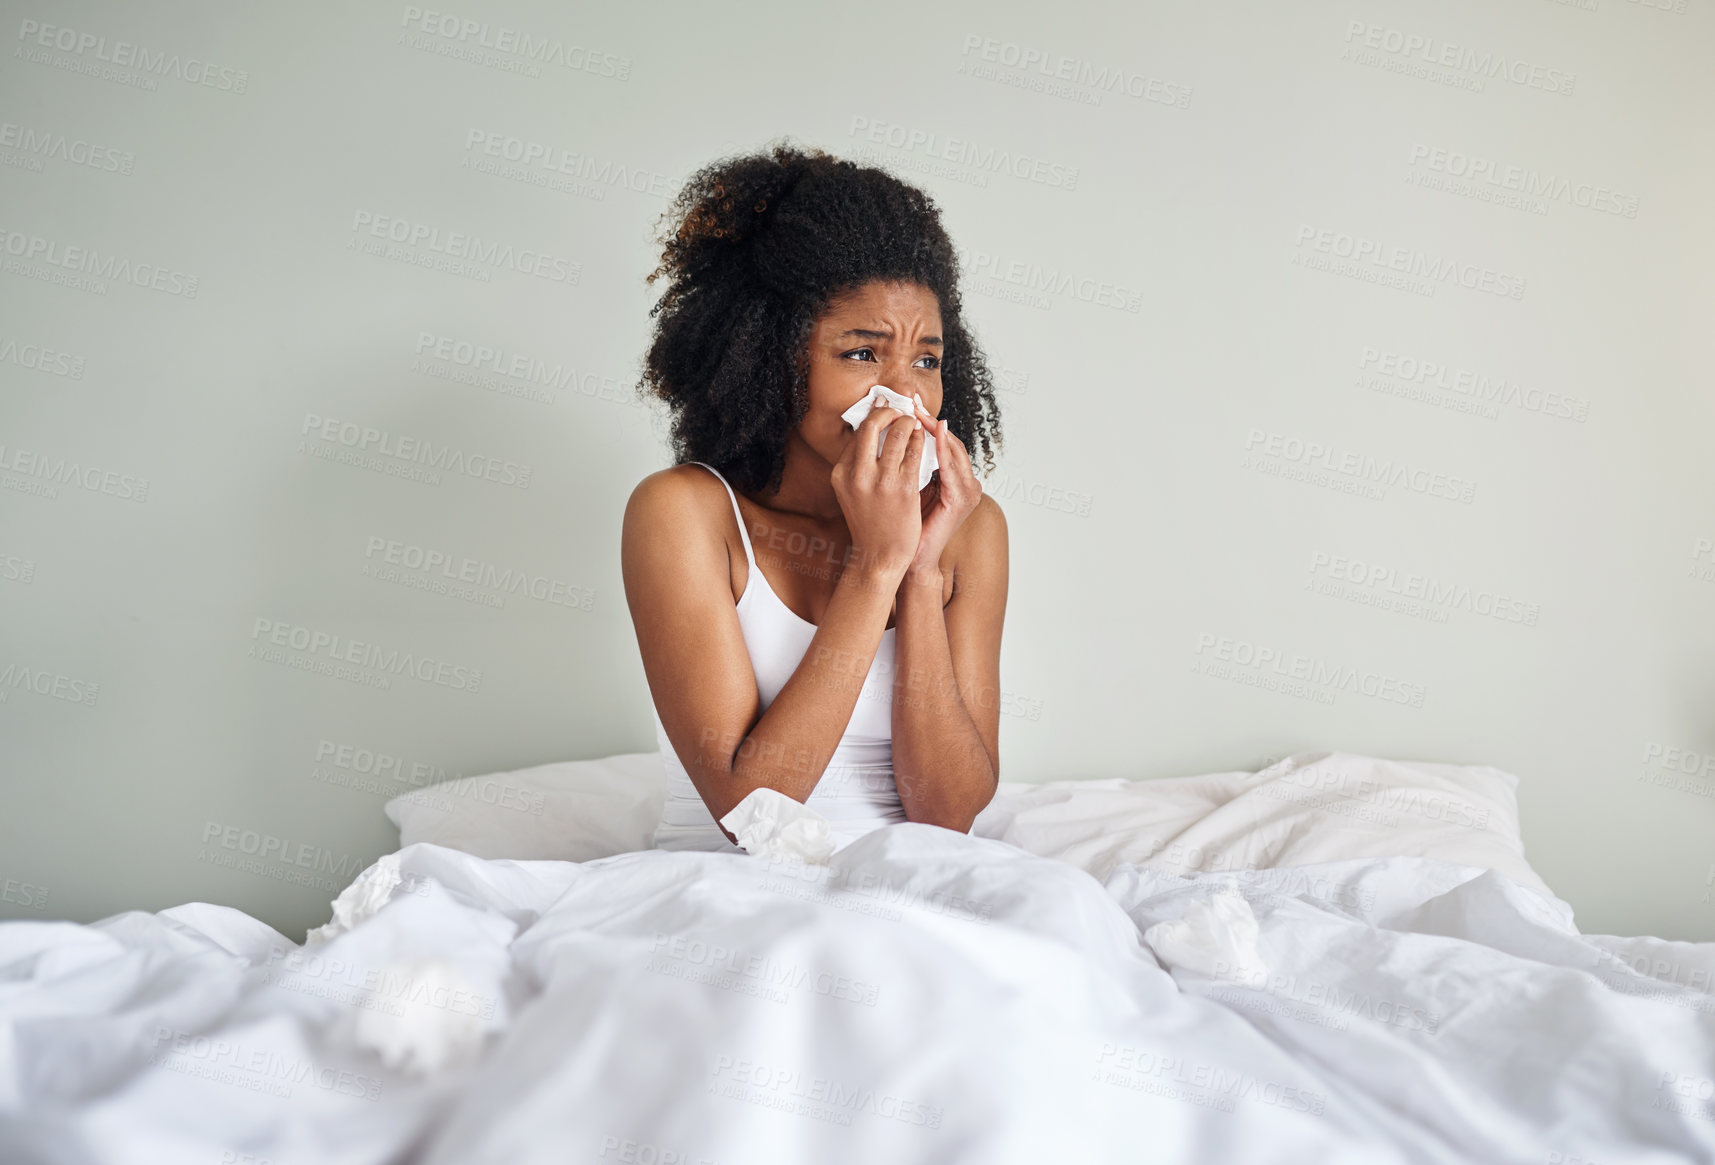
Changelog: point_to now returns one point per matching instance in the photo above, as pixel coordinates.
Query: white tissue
(882, 395)
(424, 1015)
(769, 824)
(368, 892)
(1215, 937)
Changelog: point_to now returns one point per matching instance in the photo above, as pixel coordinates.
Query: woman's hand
(879, 496)
(948, 500)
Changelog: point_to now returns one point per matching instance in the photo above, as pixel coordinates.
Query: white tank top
(856, 792)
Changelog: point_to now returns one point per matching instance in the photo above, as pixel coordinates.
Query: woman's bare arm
(946, 685)
(676, 568)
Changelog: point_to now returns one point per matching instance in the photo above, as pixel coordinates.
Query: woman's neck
(806, 487)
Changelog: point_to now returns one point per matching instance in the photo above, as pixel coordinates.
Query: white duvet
(927, 997)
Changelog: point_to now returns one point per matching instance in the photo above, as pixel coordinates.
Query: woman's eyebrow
(870, 334)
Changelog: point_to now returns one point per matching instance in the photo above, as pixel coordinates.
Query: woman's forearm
(940, 766)
(789, 747)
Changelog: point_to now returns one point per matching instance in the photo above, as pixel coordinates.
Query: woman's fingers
(948, 448)
(871, 432)
(902, 429)
(913, 456)
(961, 487)
(896, 438)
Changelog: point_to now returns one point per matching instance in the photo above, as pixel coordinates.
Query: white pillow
(574, 811)
(1310, 807)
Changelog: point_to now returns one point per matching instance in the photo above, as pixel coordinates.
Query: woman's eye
(934, 362)
(864, 352)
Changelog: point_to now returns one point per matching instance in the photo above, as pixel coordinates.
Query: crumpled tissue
(421, 1010)
(769, 824)
(424, 1015)
(368, 892)
(1215, 937)
(882, 395)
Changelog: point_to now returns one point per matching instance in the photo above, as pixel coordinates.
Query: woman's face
(880, 333)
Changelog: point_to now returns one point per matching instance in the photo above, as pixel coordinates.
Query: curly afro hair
(755, 248)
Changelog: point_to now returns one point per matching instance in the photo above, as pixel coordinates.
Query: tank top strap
(749, 555)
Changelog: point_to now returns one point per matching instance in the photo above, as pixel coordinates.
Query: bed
(1338, 958)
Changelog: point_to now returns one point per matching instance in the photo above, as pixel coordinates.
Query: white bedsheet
(928, 997)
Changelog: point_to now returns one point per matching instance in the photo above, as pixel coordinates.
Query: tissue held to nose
(879, 396)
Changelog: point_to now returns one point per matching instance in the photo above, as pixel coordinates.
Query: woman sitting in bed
(809, 621)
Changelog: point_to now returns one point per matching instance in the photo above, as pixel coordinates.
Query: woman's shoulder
(675, 533)
(983, 534)
(988, 516)
(976, 555)
(677, 490)
(677, 503)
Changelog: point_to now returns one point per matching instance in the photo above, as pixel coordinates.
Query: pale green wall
(1225, 131)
